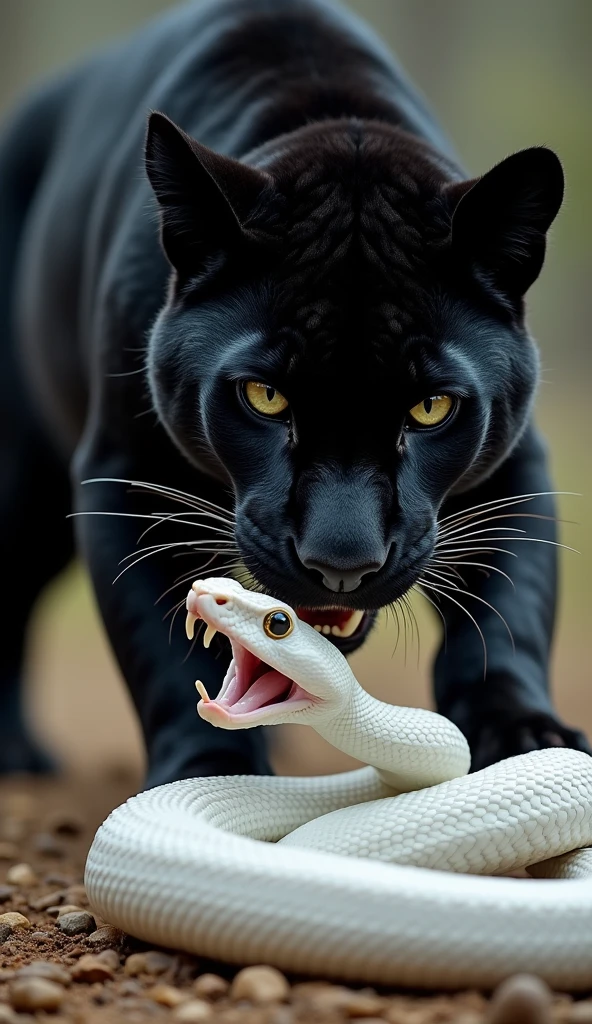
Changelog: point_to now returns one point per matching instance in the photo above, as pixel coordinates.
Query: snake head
(282, 670)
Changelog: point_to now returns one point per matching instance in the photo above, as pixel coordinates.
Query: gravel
(15, 920)
(21, 875)
(75, 922)
(260, 985)
(36, 994)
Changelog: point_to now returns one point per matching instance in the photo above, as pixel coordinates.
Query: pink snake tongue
(270, 685)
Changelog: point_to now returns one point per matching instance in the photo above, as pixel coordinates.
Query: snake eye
(277, 625)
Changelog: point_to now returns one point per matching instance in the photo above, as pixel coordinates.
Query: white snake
(329, 875)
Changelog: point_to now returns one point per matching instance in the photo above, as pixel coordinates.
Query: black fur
(323, 238)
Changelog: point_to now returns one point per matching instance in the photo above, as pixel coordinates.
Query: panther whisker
(431, 586)
(516, 500)
(480, 565)
(532, 540)
(417, 588)
(468, 593)
(455, 528)
(187, 578)
(477, 550)
(392, 610)
(146, 515)
(462, 534)
(160, 550)
(174, 518)
(163, 490)
(221, 545)
(440, 575)
(414, 624)
(452, 564)
(172, 623)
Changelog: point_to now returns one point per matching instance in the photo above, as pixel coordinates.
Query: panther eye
(264, 399)
(277, 625)
(432, 411)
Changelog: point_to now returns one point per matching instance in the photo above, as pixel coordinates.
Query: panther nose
(341, 581)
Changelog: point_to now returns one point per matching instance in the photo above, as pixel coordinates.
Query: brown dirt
(48, 825)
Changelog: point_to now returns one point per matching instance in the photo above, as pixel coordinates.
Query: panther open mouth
(337, 622)
(346, 628)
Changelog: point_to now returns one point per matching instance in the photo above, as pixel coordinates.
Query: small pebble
(77, 923)
(6, 892)
(13, 830)
(77, 951)
(366, 1005)
(210, 986)
(101, 996)
(109, 957)
(91, 968)
(130, 988)
(63, 908)
(136, 1011)
(21, 805)
(166, 995)
(151, 962)
(106, 938)
(522, 999)
(260, 984)
(63, 823)
(67, 908)
(76, 894)
(53, 899)
(15, 921)
(193, 1012)
(580, 1013)
(41, 937)
(8, 851)
(471, 1000)
(324, 997)
(45, 969)
(47, 845)
(5, 932)
(32, 994)
(21, 874)
(60, 880)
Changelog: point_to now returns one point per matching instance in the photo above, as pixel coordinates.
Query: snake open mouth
(253, 692)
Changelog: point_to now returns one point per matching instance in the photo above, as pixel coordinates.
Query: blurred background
(501, 76)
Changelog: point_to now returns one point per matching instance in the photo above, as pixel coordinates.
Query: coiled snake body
(328, 875)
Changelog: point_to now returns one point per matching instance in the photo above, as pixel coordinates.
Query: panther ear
(500, 221)
(209, 203)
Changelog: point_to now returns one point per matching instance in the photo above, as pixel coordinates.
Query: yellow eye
(432, 411)
(264, 399)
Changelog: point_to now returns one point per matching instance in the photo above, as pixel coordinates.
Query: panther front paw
(501, 737)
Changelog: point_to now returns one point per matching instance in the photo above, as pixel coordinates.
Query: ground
(46, 828)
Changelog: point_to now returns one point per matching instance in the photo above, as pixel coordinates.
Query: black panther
(241, 261)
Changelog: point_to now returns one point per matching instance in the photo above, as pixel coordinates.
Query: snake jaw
(253, 691)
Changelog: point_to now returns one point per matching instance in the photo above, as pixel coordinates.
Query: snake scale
(382, 874)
